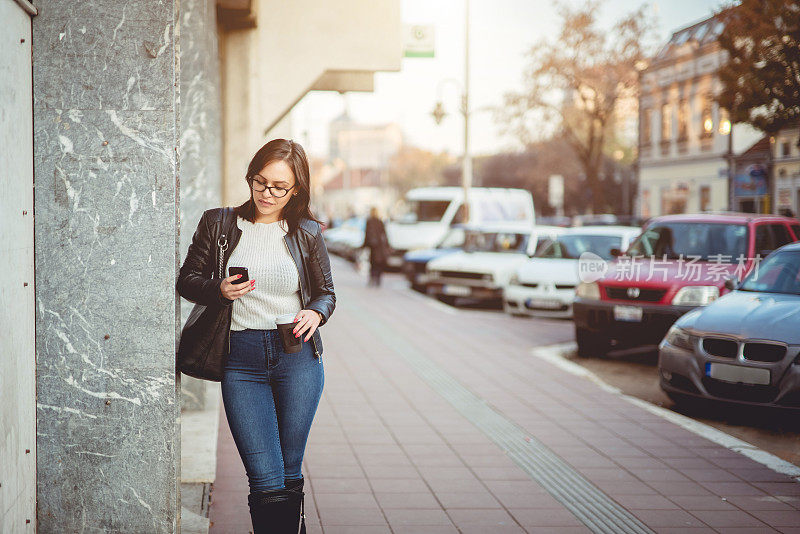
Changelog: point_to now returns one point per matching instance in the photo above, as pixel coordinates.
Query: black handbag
(202, 350)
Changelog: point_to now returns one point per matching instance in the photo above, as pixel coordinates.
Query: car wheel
(591, 344)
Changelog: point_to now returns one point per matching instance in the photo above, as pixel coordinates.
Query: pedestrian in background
(378, 244)
(270, 395)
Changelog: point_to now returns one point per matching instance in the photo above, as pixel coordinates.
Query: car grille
(724, 348)
(742, 392)
(651, 322)
(459, 274)
(764, 352)
(530, 284)
(565, 286)
(645, 295)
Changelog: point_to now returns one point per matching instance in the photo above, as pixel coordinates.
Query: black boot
(271, 512)
(295, 489)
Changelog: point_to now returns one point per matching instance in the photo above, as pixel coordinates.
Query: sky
(501, 32)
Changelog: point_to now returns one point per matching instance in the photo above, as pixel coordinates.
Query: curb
(554, 354)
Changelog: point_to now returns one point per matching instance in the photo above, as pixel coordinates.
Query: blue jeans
(270, 398)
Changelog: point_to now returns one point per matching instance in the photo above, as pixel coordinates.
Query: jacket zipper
(302, 298)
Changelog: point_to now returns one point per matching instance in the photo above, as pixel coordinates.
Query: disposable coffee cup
(286, 324)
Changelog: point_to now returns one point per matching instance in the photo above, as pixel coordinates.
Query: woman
(270, 396)
(375, 239)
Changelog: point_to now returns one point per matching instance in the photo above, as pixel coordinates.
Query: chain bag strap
(222, 246)
(222, 241)
(201, 351)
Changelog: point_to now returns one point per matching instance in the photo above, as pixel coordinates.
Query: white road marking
(554, 354)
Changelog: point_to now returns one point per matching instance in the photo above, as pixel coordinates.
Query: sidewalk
(437, 420)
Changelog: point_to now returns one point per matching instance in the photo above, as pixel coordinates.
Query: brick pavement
(388, 453)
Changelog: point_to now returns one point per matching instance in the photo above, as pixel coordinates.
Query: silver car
(744, 347)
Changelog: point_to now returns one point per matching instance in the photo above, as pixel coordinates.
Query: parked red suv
(679, 262)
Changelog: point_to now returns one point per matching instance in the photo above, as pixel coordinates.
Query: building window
(724, 122)
(674, 199)
(707, 120)
(645, 130)
(666, 123)
(785, 149)
(683, 120)
(705, 198)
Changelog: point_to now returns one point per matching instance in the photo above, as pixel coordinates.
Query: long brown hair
(293, 154)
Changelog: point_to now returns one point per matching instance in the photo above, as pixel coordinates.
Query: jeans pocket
(247, 350)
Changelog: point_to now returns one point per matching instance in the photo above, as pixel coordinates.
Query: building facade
(786, 169)
(686, 141)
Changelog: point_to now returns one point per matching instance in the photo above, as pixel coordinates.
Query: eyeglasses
(278, 192)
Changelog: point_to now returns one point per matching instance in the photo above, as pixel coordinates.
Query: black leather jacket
(198, 282)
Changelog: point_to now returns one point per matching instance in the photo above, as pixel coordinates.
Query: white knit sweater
(262, 249)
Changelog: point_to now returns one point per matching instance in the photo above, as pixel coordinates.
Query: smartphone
(239, 270)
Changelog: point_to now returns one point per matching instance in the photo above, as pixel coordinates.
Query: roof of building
(758, 149)
(702, 32)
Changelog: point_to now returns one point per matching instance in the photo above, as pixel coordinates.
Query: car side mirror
(615, 252)
(732, 283)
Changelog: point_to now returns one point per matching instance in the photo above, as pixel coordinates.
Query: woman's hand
(233, 291)
(306, 320)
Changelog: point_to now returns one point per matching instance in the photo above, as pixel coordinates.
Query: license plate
(738, 374)
(628, 313)
(548, 304)
(458, 291)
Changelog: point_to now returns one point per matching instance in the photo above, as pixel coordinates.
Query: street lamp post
(439, 114)
(467, 173)
(726, 128)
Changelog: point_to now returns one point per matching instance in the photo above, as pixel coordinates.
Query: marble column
(106, 129)
(200, 142)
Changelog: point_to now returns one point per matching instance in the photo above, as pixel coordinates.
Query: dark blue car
(414, 261)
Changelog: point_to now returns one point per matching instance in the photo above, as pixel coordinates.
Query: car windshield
(496, 242)
(707, 241)
(454, 238)
(424, 211)
(572, 246)
(779, 273)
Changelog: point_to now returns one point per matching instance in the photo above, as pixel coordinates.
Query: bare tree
(761, 82)
(415, 167)
(574, 85)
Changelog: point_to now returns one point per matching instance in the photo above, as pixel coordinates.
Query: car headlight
(514, 280)
(680, 338)
(696, 296)
(487, 277)
(433, 274)
(588, 290)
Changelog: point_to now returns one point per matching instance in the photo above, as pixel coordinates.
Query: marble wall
(106, 131)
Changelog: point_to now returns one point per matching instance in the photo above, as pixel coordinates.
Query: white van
(432, 210)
